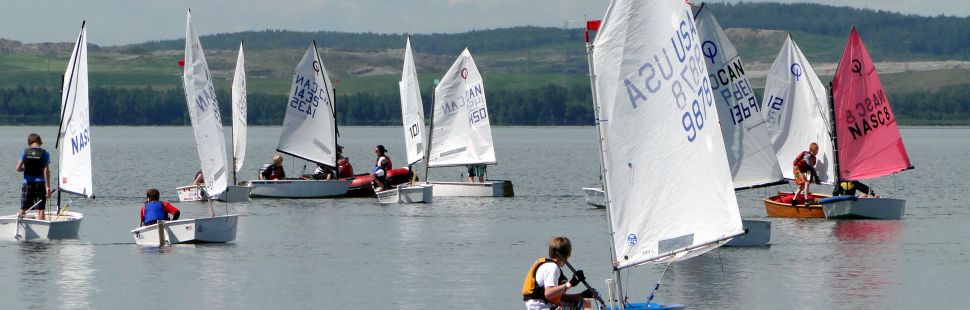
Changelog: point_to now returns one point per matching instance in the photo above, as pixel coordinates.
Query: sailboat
(234, 193)
(412, 115)
(669, 189)
(309, 133)
(867, 140)
(74, 158)
(749, 150)
(796, 113)
(210, 142)
(460, 131)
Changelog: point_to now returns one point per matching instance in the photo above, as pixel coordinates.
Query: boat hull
(489, 188)
(595, 197)
(776, 208)
(757, 233)
(298, 188)
(190, 193)
(218, 229)
(233, 193)
(418, 193)
(63, 226)
(866, 208)
(362, 184)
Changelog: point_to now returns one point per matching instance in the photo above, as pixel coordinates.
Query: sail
(309, 126)
(461, 133)
(200, 97)
(75, 129)
(412, 110)
(749, 150)
(239, 112)
(868, 137)
(670, 192)
(796, 110)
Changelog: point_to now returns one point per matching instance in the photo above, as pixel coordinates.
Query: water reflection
(865, 267)
(76, 274)
(35, 273)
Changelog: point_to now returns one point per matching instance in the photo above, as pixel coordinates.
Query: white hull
(866, 208)
(232, 194)
(64, 226)
(299, 188)
(757, 233)
(595, 197)
(219, 229)
(473, 189)
(407, 194)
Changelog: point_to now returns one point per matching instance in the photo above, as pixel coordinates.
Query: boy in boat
(476, 170)
(381, 166)
(324, 172)
(34, 163)
(273, 171)
(850, 188)
(805, 164)
(545, 286)
(155, 210)
(199, 179)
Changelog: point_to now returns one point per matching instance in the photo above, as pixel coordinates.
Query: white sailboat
(460, 131)
(749, 150)
(211, 145)
(235, 192)
(74, 155)
(660, 140)
(309, 133)
(796, 114)
(412, 115)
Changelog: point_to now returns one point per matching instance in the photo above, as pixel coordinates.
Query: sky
(118, 22)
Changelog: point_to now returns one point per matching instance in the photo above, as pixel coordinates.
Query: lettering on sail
(307, 96)
(732, 84)
(205, 101)
(80, 141)
(690, 87)
(868, 114)
(775, 104)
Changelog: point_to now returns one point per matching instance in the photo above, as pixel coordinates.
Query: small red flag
(593, 25)
(181, 63)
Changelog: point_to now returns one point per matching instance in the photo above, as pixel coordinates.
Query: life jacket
(34, 163)
(345, 170)
(532, 290)
(154, 211)
(272, 172)
(388, 166)
(845, 188)
(801, 163)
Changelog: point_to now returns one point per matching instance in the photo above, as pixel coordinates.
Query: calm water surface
(469, 253)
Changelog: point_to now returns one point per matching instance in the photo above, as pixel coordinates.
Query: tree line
(547, 105)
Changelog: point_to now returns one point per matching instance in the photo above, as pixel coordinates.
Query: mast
(835, 136)
(427, 151)
(602, 154)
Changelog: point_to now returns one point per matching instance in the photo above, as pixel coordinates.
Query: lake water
(469, 253)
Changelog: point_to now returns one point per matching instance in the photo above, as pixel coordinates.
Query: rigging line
(657, 287)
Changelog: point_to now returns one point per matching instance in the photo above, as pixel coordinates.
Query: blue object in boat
(651, 306)
(837, 199)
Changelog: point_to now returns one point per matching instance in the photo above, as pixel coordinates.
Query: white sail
(309, 126)
(200, 97)
(670, 193)
(749, 150)
(796, 112)
(412, 110)
(462, 134)
(239, 112)
(75, 129)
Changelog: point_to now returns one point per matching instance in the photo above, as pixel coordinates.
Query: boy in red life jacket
(805, 163)
(545, 286)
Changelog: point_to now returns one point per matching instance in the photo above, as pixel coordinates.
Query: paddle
(596, 294)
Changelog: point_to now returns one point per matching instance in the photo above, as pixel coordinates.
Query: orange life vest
(531, 289)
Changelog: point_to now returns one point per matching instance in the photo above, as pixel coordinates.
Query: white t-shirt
(546, 276)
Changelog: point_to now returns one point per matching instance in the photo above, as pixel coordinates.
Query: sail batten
(870, 145)
(662, 136)
(749, 150)
(74, 142)
(412, 110)
(796, 111)
(204, 112)
(461, 118)
(239, 122)
(309, 125)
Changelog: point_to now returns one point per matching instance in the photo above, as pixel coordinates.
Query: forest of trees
(546, 105)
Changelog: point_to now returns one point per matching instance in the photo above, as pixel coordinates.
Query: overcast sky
(114, 22)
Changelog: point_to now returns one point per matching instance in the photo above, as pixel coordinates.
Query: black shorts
(30, 193)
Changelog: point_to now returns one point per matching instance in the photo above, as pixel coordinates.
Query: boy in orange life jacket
(545, 286)
(805, 163)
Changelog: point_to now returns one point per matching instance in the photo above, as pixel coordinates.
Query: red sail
(868, 136)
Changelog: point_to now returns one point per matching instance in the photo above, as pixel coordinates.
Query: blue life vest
(154, 211)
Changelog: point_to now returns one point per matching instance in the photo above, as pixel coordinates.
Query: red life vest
(800, 162)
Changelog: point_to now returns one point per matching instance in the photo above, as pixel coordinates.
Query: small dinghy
(216, 229)
(74, 155)
(595, 197)
(780, 205)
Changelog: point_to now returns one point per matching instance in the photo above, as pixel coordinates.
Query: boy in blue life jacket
(155, 210)
(35, 164)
